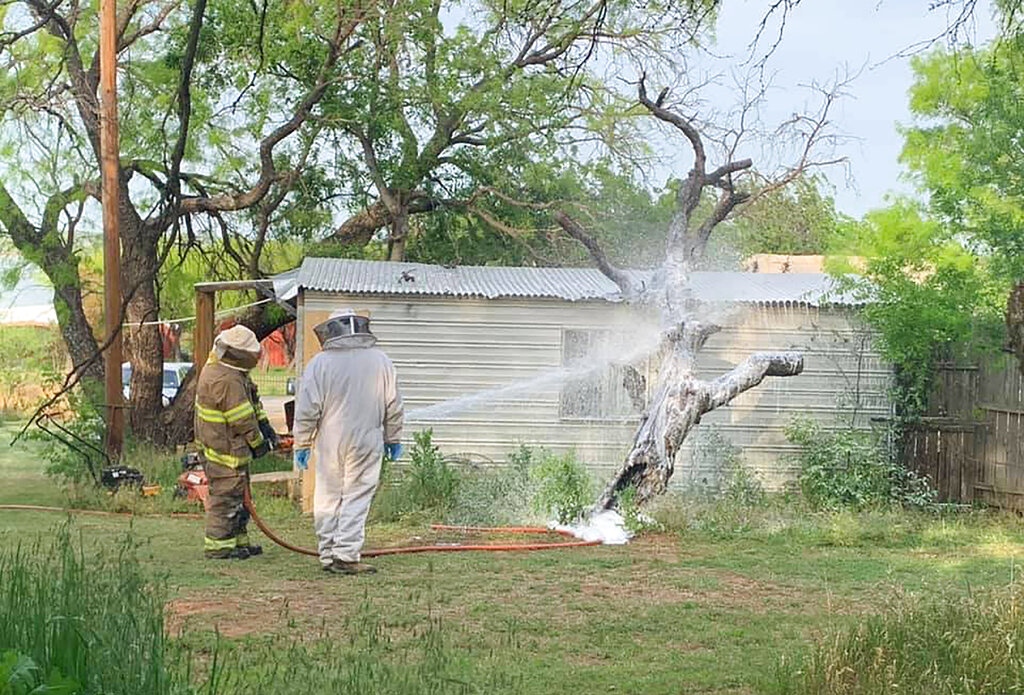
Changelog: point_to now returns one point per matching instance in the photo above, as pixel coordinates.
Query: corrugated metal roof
(572, 284)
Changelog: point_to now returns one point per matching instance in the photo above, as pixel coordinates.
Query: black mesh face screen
(341, 326)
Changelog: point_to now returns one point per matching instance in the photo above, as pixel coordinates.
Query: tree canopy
(941, 272)
(244, 124)
(964, 149)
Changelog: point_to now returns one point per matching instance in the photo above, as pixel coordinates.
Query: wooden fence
(971, 445)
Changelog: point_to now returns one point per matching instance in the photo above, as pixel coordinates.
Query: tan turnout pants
(226, 517)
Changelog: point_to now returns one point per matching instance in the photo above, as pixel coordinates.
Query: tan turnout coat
(227, 417)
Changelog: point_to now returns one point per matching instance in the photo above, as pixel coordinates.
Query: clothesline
(187, 319)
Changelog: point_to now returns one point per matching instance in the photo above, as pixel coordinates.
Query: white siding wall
(445, 348)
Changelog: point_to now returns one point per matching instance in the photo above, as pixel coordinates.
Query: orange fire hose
(431, 548)
(366, 553)
(92, 512)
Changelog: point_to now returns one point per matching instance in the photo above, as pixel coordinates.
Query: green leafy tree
(216, 129)
(447, 119)
(928, 297)
(964, 152)
(799, 219)
(242, 123)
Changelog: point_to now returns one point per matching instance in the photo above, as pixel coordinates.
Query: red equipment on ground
(192, 483)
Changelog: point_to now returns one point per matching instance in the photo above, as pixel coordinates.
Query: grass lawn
(21, 472)
(272, 381)
(710, 609)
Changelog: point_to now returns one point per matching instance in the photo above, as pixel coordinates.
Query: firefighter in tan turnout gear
(232, 428)
(350, 411)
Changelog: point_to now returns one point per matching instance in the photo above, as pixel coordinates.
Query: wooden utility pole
(204, 327)
(110, 170)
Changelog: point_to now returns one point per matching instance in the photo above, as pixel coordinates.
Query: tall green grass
(362, 656)
(96, 620)
(969, 645)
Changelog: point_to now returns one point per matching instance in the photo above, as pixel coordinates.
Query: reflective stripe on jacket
(227, 415)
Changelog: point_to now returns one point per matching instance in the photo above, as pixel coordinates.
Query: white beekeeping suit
(348, 408)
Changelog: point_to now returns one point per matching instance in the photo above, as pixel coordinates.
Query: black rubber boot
(227, 554)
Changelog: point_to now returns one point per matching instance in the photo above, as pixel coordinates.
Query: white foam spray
(606, 526)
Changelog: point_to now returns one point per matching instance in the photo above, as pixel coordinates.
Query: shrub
(743, 487)
(390, 503)
(496, 497)
(633, 519)
(919, 647)
(73, 447)
(563, 487)
(850, 467)
(718, 472)
(430, 483)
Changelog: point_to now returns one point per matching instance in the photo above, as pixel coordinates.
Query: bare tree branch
(684, 125)
(268, 173)
(576, 231)
(752, 372)
(185, 98)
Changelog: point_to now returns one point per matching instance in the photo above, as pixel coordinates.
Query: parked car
(174, 375)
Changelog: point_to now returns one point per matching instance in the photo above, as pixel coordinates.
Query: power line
(187, 319)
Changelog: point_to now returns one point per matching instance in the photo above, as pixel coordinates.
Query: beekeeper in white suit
(350, 409)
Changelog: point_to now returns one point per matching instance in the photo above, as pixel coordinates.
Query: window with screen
(595, 390)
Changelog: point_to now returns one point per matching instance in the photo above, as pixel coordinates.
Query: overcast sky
(823, 36)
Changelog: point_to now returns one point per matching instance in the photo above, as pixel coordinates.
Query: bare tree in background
(679, 399)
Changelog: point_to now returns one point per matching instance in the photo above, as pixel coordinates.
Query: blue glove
(301, 458)
(393, 451)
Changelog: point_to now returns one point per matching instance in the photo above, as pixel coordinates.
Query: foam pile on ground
(606, 526)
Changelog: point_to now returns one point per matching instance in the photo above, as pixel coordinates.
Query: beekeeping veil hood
(237, 347)
(342, 323)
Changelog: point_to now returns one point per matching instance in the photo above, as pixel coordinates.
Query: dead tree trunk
(678, 404)
(680, 399)
(1015, 322)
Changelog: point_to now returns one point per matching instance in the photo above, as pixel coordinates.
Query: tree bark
(399, 233)
(48, 248)
(140, 263)
(1015, 322)
(678, 405)
(75, 329)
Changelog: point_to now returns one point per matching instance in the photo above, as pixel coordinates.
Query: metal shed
(534, 342)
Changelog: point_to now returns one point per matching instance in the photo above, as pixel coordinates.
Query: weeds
(20, 675)
(717, 471)
(74, 622)
(73, 448)
(536, 487)
(563, 487)
(849, 467)
(431, 483)
(97, 621)
(633, 518)
(366, 657)
(942, 644)
(158, 467)
(497, 497)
